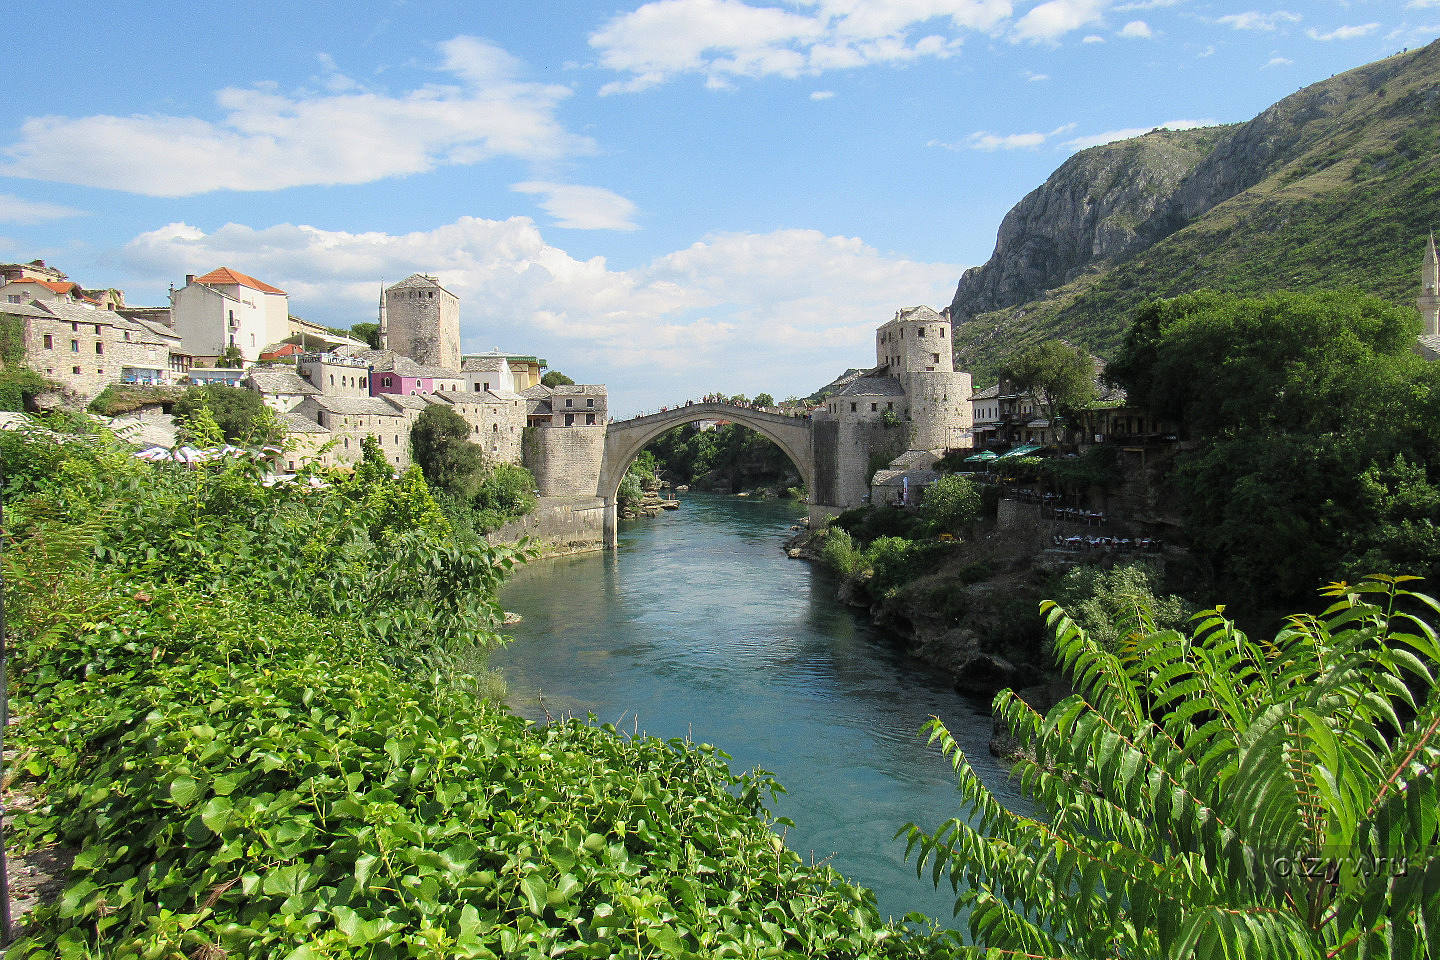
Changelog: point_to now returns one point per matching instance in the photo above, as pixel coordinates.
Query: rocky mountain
(1334, 186)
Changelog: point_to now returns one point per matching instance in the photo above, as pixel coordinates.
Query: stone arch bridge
(624, 439)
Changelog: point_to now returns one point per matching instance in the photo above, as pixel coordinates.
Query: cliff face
(1334, 186)
(1095, 208)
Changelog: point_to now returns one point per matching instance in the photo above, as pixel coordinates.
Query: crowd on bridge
(720, 398)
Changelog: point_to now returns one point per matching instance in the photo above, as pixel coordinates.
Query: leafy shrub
(1209, 795)
(1103, 602)
(950, 505)
(236, 704)
(838, 552)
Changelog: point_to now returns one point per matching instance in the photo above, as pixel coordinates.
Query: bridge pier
(612, 523)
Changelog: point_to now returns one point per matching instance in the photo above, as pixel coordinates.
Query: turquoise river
(700, 626)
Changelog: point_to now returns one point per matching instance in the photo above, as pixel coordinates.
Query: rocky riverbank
(976, 616)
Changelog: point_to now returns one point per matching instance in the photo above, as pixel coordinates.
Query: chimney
(189, 279)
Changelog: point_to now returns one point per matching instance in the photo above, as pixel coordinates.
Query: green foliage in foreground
(1215, 796)
(240, 705)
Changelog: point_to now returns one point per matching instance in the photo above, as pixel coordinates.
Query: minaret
(1429, 300)
(385, 330)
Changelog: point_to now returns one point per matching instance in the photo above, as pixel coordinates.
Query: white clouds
(1136, 30)
(582, 208)
(1033, 77)
(269, 140)
(14, 209)
(1053, 19)
(1255, 20)
(1343, 33)
(722, 40)
(711, 308)
(990, 142)
(1277, 62)
(822, 94)
(1110, 136)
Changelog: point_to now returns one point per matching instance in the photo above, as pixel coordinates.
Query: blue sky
(672, 197)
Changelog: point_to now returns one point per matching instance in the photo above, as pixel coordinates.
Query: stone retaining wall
(559, 525)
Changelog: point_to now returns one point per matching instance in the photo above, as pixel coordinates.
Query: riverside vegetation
(258, 716)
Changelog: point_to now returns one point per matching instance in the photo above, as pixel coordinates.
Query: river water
(700, 626)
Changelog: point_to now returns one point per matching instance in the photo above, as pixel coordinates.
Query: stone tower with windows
(1429, 299)
(915, 349)
(421, 320)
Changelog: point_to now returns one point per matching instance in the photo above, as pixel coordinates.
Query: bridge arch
(624, 439)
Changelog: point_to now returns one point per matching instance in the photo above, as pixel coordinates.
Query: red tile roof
(226, 275)
(59, 286)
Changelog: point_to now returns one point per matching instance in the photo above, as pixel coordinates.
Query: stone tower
(384, 333)
(915, 348)
(422, 322)
(1429, 300)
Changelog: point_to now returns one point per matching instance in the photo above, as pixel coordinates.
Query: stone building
(912, 400)
(579, 404)
(85, 350)
(335, 374)
(421, 320)
(280, 386)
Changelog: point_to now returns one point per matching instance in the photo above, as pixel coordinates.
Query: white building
(226, 308)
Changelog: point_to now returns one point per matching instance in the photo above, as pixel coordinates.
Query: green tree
(1213, 796)
(231, 357)
(368, 333)
(1299, 406)
(198, 427)
(764, 400)
(241, 415)
(1059, 378)
(508, 491)
(440, 444)
(950, 504)
(554, 378)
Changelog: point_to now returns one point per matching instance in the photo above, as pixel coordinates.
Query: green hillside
(1345, 198)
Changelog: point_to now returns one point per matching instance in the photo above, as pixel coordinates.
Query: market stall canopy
(981, 457)
(1020, 451)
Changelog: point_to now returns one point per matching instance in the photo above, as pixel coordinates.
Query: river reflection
(700, 626)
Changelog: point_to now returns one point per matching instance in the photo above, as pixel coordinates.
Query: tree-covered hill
(1334, 186)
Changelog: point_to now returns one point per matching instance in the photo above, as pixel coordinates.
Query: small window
(920, 332)
(127, 336)
(569, 419)
(97, 329)
(942, 333)
(487, 386)
(49, 342)
(75, 370)
(74, 346)
(590, 419)
(363, 382)
(569, 403)
(99, 349)
(874, 407)
(332, 376)
(385, 381)
(494, 428)
(934, 358)
(590, 402)
(74, 326)
(852, 408)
